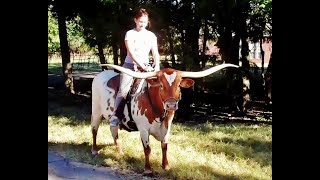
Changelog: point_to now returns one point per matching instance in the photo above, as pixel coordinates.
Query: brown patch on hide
(108, 101)
(144, 104)
(114, 83)
(109, 105)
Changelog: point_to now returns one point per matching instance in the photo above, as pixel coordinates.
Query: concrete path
(60, 168)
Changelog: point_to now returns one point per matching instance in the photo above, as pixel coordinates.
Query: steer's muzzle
(171, 104)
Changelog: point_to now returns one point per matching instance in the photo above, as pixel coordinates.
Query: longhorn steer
(151, 110)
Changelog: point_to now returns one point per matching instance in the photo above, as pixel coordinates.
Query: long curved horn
(206, 72)
(142, 75)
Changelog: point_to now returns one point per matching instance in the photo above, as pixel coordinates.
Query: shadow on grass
(76, 108)
(76, 115)
(82, 153)
(217, 175)
(257, 150)
(224, 118)
(249, 146)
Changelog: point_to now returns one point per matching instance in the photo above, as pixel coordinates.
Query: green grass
(203, 151)
(85, 63)
(56, 68)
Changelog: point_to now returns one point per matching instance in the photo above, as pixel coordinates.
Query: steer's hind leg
(95, 122)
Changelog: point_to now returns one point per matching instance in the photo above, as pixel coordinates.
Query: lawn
(209, 150)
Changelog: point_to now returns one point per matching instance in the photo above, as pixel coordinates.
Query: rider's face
(141, 22)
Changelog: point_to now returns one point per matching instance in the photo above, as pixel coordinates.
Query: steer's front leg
(147, 150)
(165, 164)
(115, 135)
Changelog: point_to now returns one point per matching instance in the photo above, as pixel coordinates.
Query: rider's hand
(156, 67)
(148, 69)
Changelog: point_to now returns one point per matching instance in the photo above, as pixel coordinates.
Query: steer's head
(166, 83)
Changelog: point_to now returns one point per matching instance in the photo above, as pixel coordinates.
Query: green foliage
(75, 36)
(260, 19)
(100, 23)
(95, 30)
(53, 34)
(104, 22)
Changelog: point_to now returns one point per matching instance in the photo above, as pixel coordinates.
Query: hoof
(94, 152)
(147, 172)
(121, 153)
(167, 168)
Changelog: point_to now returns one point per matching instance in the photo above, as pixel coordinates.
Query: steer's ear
(186, 83)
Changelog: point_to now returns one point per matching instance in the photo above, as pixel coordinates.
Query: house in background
(254, 55)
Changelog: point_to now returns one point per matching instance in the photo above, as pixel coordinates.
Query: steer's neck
(166, 126)
(156, 102)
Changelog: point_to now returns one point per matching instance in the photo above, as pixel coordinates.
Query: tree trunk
(246, 93)
(241, 31)
(234, 77)
(195, 46)
(101, 55)
(268, 84)
(204, 44)
(115, 47)
(269, 68)
(224, 44)
(65, 54)
(262, 56)
(193, 34)
(182, 40)
(171, 46)
(191, 51)
(115, 53)
(122, 45)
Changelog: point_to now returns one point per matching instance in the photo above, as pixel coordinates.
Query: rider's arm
(156, 56)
